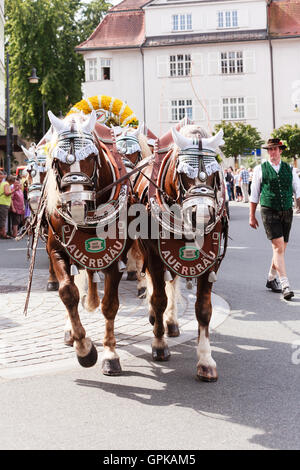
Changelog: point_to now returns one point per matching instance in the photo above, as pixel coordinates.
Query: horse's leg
(110, 305)
(142, 282)
(52, 283)
(170, 314)
(91, 301)
(131, 266)
(158, 302)
(89, 298)
(69, 294)
(206, 367)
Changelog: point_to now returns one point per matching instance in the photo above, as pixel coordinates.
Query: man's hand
(252, 219)
(253, 222)
(298, 205)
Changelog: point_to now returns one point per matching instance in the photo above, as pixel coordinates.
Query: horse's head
(36, 172)
(128, 145)
(75, 162)
(198, 176)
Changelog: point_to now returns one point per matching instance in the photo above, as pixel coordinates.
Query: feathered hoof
(111, 366)
(161, 354)
(142, 293)
(207, 374)
(52, 286)
(89, 360)
(173, 330)
(68, 338)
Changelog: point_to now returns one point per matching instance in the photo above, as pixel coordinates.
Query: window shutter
(214, 109)
(197, 65)
(163, 66)
(166, 23)
(214, 63)
(165, 111)
(243, 18)
(198, 112)
(249, 61)
(251, 107)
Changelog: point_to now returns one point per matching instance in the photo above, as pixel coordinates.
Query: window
(181, 108)
(232, 62)
(105, 69)
(227, 19)
(233, 108)
(182, 22)
(92, 69)
(180, 65)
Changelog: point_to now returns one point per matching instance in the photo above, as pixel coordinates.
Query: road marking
(23, 249)
(238, 247)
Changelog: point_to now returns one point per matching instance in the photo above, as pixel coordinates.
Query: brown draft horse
(189, 241)
(81, 169)
(36, 173)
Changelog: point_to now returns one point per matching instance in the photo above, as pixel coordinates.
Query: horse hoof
(89, 360)
(207, 374)
(52, 286)
(173, 330)
(151, 319)
(131, 276)
(68, 338)
(142, 293)
(161, 354)
(111, 366)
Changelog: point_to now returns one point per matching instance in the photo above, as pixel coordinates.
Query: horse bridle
(76, 177)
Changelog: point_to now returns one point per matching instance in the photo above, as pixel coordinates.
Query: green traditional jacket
(277, 188)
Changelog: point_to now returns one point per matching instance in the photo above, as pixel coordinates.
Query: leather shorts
(277, 224)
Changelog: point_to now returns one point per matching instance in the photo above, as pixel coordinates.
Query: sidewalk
(34, 344)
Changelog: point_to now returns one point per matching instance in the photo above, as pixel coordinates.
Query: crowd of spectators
(13, 204)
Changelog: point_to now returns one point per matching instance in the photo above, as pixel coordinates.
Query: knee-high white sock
(284, 282)
(272, 274)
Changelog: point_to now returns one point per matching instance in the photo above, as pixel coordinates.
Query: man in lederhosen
(273, 185)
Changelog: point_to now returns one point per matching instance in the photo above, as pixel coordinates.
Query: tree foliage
(240, 138)
(43, 34)
(291, 135)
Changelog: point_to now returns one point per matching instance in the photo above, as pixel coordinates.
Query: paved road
(254, 404)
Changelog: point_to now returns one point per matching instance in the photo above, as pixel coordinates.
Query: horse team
(87, 179)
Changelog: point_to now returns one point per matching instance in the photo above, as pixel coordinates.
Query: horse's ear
(212, 143)
(180, 140)
(57, 123)
(28, 154)
(89, 125)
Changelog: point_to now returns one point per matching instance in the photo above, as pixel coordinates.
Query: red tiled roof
(129, 5)
(120, 29)
(285, 18)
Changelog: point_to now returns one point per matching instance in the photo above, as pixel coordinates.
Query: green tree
(43, 34)
(240, 139)
(291, 135)
(90, 15)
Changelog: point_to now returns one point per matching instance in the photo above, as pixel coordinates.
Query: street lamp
(35, 79)
(9, 130)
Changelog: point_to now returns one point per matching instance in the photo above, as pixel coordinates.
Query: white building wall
(251, 14)
(126, 81)
(207, 86)
(286, 58)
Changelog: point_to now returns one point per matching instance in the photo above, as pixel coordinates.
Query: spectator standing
(250, 171)
(238, 191)
(17, 208)
(5, 201)
(244, 183)
(229, 183)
